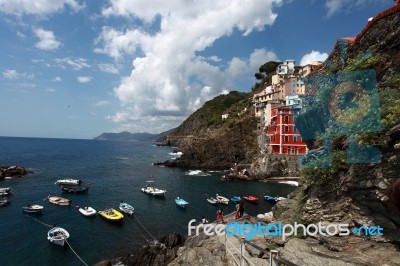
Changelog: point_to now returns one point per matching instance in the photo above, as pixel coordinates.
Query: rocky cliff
(355, 193)
(209, 141)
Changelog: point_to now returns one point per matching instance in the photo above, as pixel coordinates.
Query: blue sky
(75, 69)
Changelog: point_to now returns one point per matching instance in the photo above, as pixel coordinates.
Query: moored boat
(222, 199)
(126, 208)
(251, 198)
(111, 215)
(87, 211)
(57, 235)
(280, 198)
(59, 200)
(6, 190)
(270, 198)
(236, 199)
(32, 208)
(150, 189)
(68, 181)
(181, 202)
(212, 200)
(75, 190)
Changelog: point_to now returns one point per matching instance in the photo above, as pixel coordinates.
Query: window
(286, 138)
(286, 129)
(294, 138)
(289, 151)
(286, 118)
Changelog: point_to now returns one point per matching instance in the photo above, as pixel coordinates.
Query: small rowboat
(251, 198)
(222, 199)
(126, 208)
(59, 200)
(212, 200)
(87, 211)
(68, 181)
(32, 208)
(75, 190)
(111, 215)
(181, 202)
(236, 199)
(57, 235)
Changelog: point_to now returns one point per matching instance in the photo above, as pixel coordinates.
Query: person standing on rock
(220, 215)
(241, 209)
(237, 210)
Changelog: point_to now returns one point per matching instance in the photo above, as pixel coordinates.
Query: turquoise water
(117, 171)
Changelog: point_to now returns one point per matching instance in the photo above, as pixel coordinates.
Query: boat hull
(181, 203)
(59, 200)
(68, 182)
(126, 208)
(112, 215)
(58, 236)
(154, 191)
(75, 191)
(222, 200)
(33, 208)
(87, 211)
(251, 199)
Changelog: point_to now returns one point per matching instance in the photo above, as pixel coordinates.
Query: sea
(113, 171)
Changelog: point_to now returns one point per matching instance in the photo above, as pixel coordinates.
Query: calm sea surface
(117, 171)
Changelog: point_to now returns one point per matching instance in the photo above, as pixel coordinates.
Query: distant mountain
(142, 136)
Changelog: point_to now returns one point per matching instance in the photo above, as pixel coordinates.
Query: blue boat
(181, 202)
(236, 199)
(270, 198)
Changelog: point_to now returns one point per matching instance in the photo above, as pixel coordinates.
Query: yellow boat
(112, 215)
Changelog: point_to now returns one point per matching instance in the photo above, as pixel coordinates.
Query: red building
(283, 135)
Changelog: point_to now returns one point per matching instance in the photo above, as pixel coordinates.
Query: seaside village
(277, 105)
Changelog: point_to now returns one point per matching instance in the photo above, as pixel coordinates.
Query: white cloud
(313, 56)
(108, 68)
(13, 74)
(169, 78)
(76, 63)
(335, 6)
(260, 57)
(51, 90)
(57, 79)
(101, 103)
(37, 7)
(84, 79)
(47, 41)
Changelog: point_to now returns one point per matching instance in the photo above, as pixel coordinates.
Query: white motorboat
(33, 208)
(57, 235)
(7, 190)
(126, 208)
(222, 199)
(150, 189)
(87, 211)
(68, 181)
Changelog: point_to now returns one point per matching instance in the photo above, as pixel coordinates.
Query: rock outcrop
(13, 171)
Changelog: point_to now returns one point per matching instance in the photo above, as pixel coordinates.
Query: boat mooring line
(147, 240)
(145, 228)
(75, 253)
(65, 239)
(39, 221)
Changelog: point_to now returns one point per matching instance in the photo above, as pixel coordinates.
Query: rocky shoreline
(8, 172)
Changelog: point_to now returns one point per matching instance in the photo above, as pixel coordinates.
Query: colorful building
(282, 133)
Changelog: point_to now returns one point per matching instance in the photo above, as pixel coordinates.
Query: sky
(76, 68)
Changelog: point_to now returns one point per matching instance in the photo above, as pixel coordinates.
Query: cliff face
(356, 194)
(210, 142)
